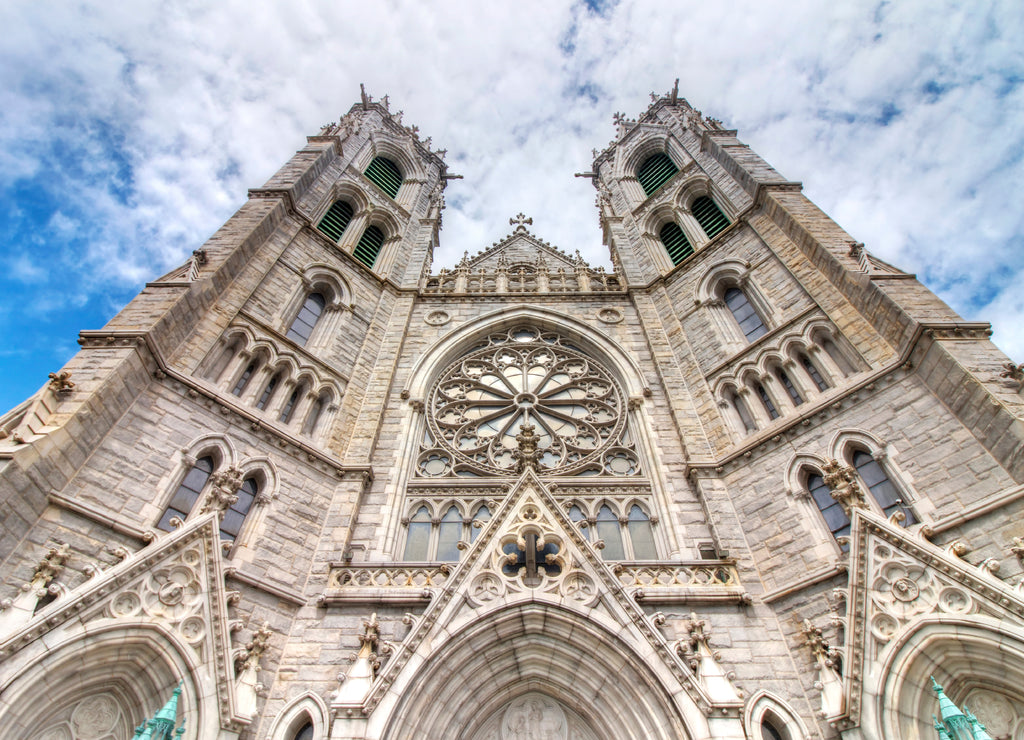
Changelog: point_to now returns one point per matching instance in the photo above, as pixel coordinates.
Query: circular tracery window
(526, 377)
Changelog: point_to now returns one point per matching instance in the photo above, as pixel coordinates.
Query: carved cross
(619, 118)
(520, 221)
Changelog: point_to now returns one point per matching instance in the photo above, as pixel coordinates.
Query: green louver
(369, 245)
(655, 172)
(385, 175)
(336, 220)
(708, 216)
(676, 243)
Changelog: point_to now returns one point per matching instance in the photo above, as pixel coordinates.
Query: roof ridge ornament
(519, 221)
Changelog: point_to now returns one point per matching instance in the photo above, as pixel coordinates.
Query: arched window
(304, 733)
(302, 327)
(313, 417)
(188, 492)
(835, 518)
(812, 371)
(577, 516)
(766, 401)
(743, 412)
(750, 322)
(769, 731)
(608, 530)
(794, 394)
(882, 489)
(676, 243)
(709, 216)
(234, 517)
(335, 221)
(243, 380)
(268, 392)
(289, 406)
(838, 357)
(655, 172)
(385, 175)
(369, 245)
(417, 539)
(450, 532)
(641, 535)
(483, 515)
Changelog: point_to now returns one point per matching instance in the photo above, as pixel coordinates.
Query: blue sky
(126, 139)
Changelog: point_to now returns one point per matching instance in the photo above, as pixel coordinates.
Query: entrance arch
(549, 653)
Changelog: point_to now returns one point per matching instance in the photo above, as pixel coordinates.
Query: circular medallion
(905, 589)
(437, 318)
(610, 315)
(523, 378)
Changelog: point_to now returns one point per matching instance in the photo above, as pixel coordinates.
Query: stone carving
(842, 482)
(520, 221)
(224, 491)
(696, 650)
(534, 717)
(60, 383)
(1014, 373)
(172, 594)
(95, 717)
(526, 399)
(829, 682)
(902, 589)
(1017, 548)
(387, 576)
(247, 686)
(19, 610)
(677, 575)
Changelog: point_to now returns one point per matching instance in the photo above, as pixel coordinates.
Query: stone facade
(762, 487)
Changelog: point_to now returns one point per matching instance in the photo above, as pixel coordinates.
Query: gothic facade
(751, 482)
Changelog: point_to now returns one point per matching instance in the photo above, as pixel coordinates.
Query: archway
(561, 659)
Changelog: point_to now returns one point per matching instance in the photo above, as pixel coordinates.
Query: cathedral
(750, 482)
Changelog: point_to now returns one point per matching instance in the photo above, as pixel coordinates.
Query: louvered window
(676, 243)
(655, 172)
(385, 175)
(708, 215)
(335, 221)
(369, 245)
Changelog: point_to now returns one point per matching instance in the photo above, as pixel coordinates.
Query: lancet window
(624, 537)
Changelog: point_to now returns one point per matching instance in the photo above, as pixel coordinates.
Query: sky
(128, 138)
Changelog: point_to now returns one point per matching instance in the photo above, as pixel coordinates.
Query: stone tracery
(521, 378)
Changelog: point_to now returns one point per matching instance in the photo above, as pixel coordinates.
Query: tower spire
(161, 727)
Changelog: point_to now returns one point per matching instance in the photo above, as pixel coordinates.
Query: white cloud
(202, 102)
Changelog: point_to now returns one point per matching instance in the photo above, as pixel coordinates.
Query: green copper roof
(161, 727)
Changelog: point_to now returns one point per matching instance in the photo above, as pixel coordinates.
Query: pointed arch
(306, 708)
(764, 708)
(539, 651)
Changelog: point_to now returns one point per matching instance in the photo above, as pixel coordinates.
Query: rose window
(521, 378)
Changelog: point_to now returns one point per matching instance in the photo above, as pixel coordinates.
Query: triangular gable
(897, 580)
(585, 584)
(176, 582)
(520, 249)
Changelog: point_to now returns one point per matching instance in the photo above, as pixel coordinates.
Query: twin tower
(750, 483)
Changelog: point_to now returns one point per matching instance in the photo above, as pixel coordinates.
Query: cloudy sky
(127, 138)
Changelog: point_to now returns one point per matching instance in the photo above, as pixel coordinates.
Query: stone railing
(522, 280)
(688, 582)
(386, 582)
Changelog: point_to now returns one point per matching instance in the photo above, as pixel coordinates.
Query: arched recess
(764, 708)
(135, 668)
(964, 654)
(545, 649)
(306, 708)
(452, 346)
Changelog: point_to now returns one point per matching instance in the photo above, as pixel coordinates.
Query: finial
(519, 221)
